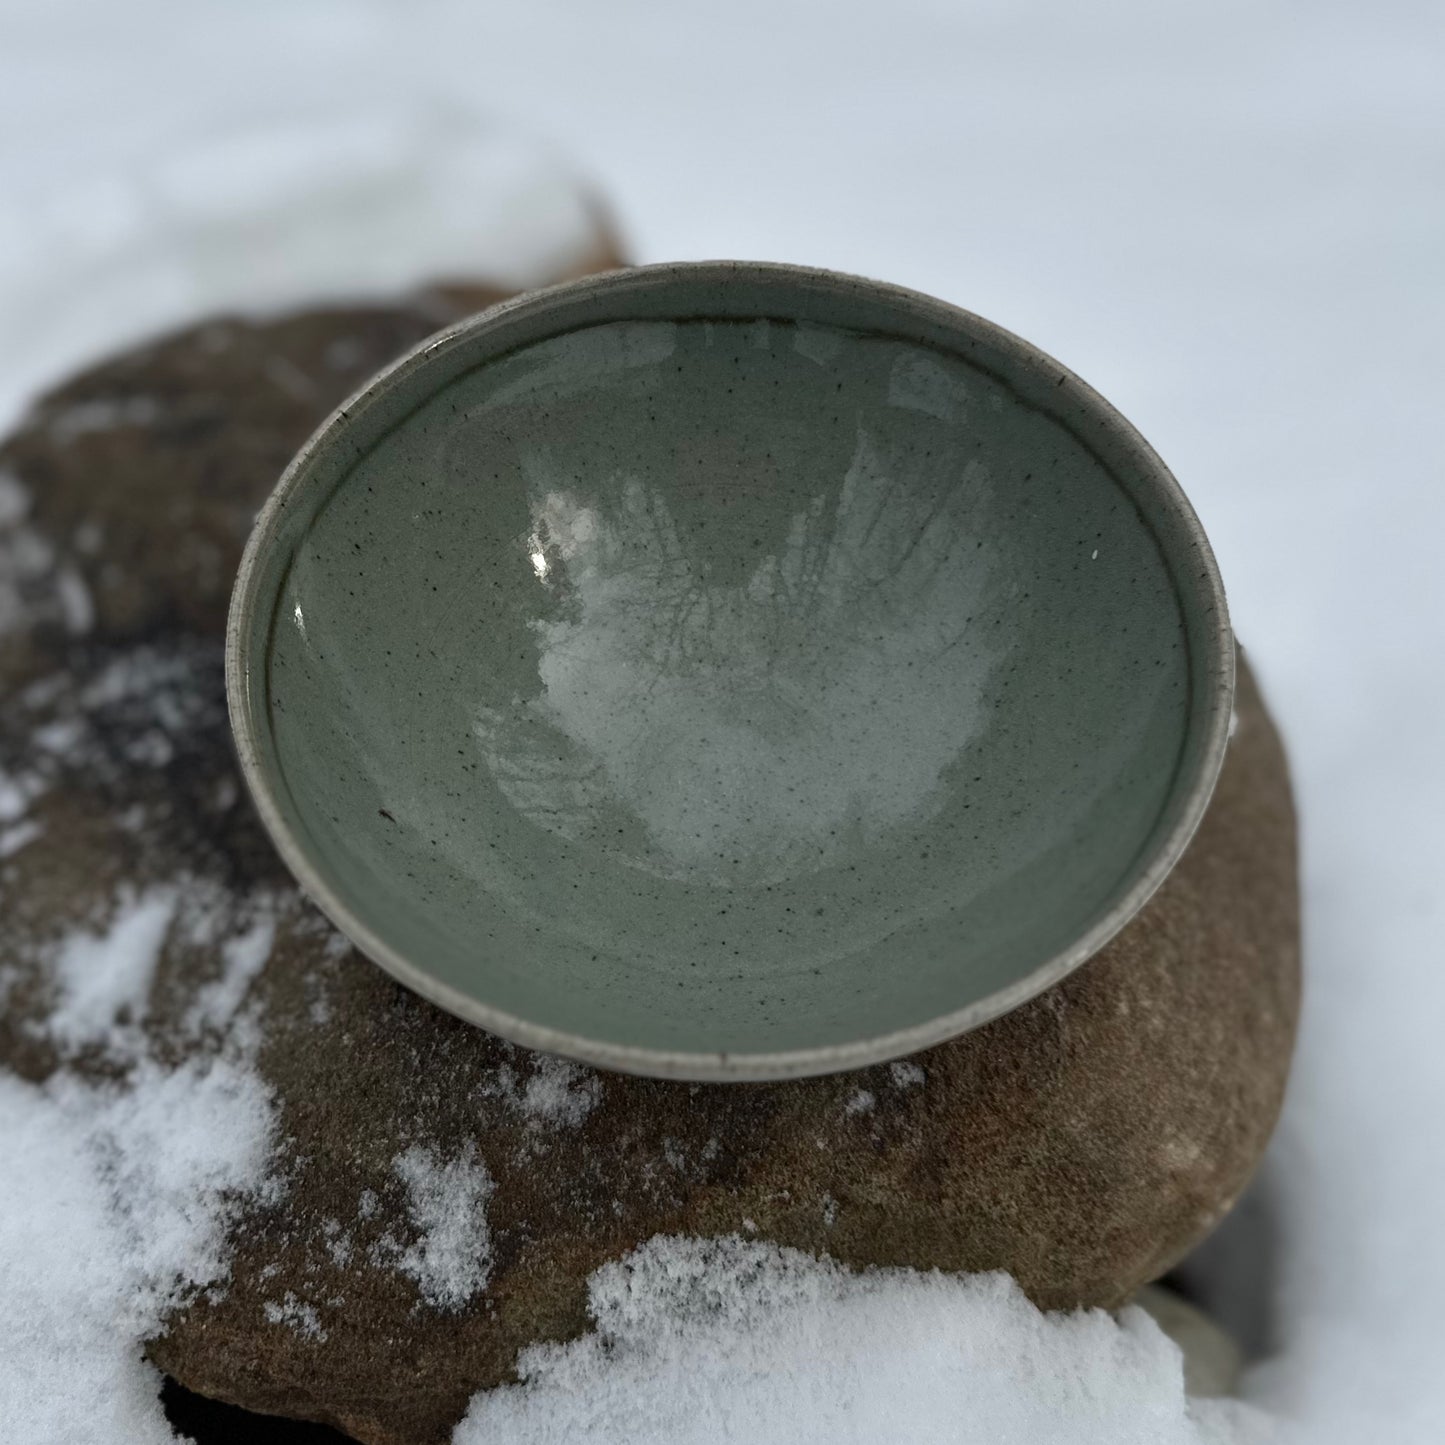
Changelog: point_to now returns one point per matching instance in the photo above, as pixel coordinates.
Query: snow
(702, 1341)
(22, 835)
(242, 959)
(177, 1152)
(26, 560)
(297, 1314)
(119, 1197)
(14, 798)
(1227, 218)
(117, 1214)
(70, 1377)
(555, 1093)
(363, 201)
(559, 1092)
(104, 979)
(76, 605)
(451, 1258)
(82, 417)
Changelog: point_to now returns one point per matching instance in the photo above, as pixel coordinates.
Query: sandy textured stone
(1084, 1142)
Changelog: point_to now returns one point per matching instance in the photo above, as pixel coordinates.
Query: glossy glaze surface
(728, 675)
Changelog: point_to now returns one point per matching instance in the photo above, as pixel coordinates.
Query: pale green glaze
(729, 670)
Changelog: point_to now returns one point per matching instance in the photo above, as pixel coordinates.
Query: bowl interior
(726, 667)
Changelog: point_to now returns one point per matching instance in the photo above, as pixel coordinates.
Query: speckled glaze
(729, 671)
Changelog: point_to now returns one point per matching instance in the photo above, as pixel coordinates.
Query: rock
(446, 1194)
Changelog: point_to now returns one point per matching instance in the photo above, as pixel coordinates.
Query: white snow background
(1228, 218)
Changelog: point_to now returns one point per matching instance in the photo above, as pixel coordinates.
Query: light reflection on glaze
(758, 729)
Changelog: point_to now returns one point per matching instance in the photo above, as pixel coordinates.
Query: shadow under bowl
(729, 671)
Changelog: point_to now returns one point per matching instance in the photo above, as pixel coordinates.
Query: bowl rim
(241, 666)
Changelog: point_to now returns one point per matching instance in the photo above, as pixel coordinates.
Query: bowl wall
(729, 670)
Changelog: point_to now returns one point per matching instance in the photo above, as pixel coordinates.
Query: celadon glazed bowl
(729, 671)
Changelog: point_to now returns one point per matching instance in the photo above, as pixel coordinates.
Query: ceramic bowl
(729, 671)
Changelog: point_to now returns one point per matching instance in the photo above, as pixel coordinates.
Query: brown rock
(1084, 1142)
